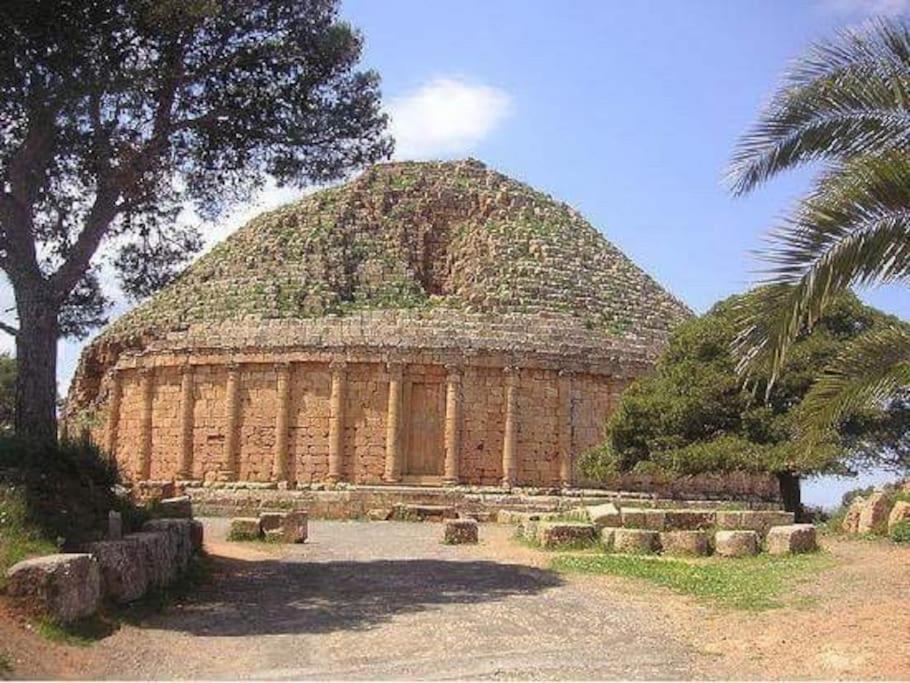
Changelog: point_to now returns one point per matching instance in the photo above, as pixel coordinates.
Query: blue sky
(627, 110)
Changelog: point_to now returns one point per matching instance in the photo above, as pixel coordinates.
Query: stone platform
(379, 502)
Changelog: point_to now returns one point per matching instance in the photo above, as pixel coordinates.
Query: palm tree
(845, 104)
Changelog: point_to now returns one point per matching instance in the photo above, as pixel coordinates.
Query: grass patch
(754, 583)
(81, 633)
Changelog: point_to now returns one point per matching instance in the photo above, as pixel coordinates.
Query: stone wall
(193, 418)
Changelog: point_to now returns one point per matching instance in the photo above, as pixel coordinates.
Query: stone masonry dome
(406, 280)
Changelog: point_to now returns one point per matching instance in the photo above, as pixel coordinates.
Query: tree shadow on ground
(266, 597)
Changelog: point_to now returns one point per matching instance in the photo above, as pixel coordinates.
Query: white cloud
(868, 7)
(447, 116)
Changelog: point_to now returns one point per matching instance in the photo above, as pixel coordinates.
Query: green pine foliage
(694, 414)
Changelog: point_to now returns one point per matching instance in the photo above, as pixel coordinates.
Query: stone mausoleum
(426, 323)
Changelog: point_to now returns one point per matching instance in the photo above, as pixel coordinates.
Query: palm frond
(871, 369)
(846, 97)
(853, 229)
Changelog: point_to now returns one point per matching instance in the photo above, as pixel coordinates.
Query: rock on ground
(742, 543)
(685, 542)
(636, 541)
(643, 518)
(899, 513)
(244, 529)
(792, 538)
(556, 534)
(66, 586)
(606, 515)
(459, 531)
(294, 527)
(124, 576)
(850, 525)
(874, 516)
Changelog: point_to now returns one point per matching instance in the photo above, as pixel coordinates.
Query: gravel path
(388, 600)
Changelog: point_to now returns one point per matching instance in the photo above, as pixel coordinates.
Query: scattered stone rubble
(281, 527)
(669, 531)
(879, 512)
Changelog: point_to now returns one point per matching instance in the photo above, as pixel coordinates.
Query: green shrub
(900, 533)
(68, 488)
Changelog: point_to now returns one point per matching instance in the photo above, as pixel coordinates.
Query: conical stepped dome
(422, 263)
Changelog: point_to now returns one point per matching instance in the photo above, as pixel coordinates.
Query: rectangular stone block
(643, 518)
(740, 543)
(124, 575)
(606, 515)
(685, 542)
(244, 529)
(688, 520)
(635, 541)
(65, 587)
(557, 534)
(792, 539)
(294, 527)
(460, 531)
(759, 521)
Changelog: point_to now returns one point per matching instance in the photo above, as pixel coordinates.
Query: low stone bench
(606, 515)
(792, 539)
(65, 586)
(742, 543)
(643, 518)
(634, 541)
(180, 535)
(556, 534)
(685, 542)
(460, 531)
(159, 554)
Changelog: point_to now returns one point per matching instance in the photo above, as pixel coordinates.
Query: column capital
(454, 372)
(283, 367)
(395, 368)
(146, 371)
(233, 367)
(187, 369)
(338, 366)
(566, 373)
(511, 372)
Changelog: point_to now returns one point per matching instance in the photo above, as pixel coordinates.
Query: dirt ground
(388, 600)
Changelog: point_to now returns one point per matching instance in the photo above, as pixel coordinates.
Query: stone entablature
(363, 418)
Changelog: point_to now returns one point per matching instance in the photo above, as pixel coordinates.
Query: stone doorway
(424, 436)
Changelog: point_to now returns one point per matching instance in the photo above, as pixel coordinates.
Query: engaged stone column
(510, 436)
(187, 405)
(564, 392)
(232, 419)
(393, 425)
(147, 389)
(336, 420)
(453, 425)
(280, 465)
(113, 414)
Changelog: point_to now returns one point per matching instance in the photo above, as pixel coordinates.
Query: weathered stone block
(294, 527)
(269, 521)
(124, 576)
(792, 538)
(607, 535)
(379, 514)
(759, 521)
(850, 524)
(899, 513)
(742, 543)
(685, 542)
(636, 541)
(66, 586)
(114, 526)
(604, 515)
(244, 529)
(180, 535)
(874, 516)
(159, 553)
(197, 535)
(556, 534)
(691, 520)
(425, 513)
(460, 531)
(175, 508)
(643, 518)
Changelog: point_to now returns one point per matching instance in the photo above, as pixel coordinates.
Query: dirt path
(387, 600)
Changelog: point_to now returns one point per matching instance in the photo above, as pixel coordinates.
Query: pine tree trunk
(36, 376)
